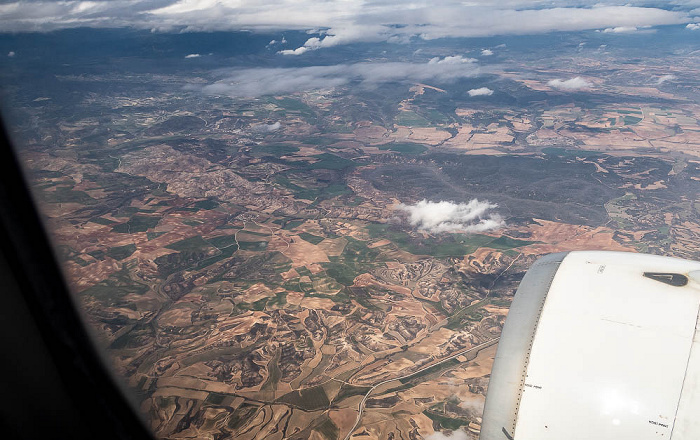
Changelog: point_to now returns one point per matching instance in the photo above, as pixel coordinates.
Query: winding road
(477, 349)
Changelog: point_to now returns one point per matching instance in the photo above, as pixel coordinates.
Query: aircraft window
(309, 220)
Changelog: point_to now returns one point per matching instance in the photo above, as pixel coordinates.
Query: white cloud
(311, 44)
(477, 19)
(486, 52)
(193, 55)
(693, 26)
(576, 83)
(297, 51)
(343, 35)
(481, 91)
(11, 53)
(277, 42)
(267, 128)
(340, 21)
(275, 81)
(453, 59)
(445, 216)
(473, 406)
(663, 78)
(456, 435)
(620, 30)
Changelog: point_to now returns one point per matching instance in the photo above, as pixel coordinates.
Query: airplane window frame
(32, 273)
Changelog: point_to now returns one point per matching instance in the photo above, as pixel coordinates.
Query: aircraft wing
(596, 346)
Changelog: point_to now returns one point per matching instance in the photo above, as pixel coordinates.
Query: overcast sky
(335, 22)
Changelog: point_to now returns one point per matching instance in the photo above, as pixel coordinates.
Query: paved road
(364, 400)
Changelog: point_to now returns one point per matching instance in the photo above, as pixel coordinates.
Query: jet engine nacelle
(597, 346)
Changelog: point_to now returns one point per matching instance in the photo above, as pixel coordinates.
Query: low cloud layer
(272, 81)
(663, 78)
(335, 22)
(483, 18)
(266, 128)
(481, 91)
(444, 216)
(576, 83)
(456, 435)
(620, 30)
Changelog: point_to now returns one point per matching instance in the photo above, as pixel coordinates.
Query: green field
(215, 398)
(137, 223)
(241, 415)
(432, 370)
(356, 258)
(293, 105)
(215, 353)
(65, 194)
(223, 241)
(225, 253)
(102, 221)
(206, 204)
(313, 239)
(505, 243)
(446, 422)
(342, 273)
(327, 429)
(444, 245)
(471, 313)
(291, 224)
(274, 150)
(567, 152)
(98, 255)
(152, 235)
(275, 374)
(405, 148)
(323, 193)
(132, 338)
(451, 245)
(313, 193)
(303, 271)
(277, 301)
(121, 252)
(189, 244)
(308, 399)
(327, 161)
(349, 391)
(412, 119)
(252, 245)
(110, 291)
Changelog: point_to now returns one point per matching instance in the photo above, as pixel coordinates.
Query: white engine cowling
(597, 346)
